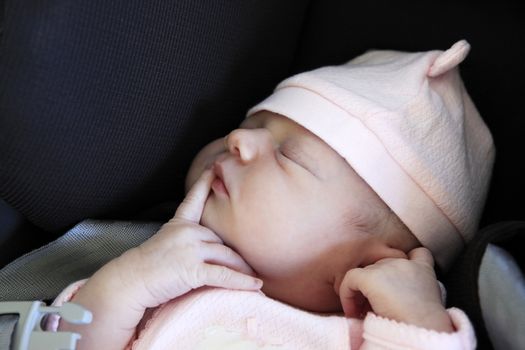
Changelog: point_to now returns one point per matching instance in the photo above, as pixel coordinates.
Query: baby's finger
(219, 254)
(221, 276)
(351, 297)
(193, 204)
(191, 230)
(421, 255)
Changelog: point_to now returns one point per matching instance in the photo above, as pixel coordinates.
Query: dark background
(103, 104)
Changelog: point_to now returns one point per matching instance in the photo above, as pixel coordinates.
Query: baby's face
(285, 201)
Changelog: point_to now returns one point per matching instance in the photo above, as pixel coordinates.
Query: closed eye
(288, 151)
(291, 151)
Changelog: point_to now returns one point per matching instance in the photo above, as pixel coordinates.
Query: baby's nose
(249, 144)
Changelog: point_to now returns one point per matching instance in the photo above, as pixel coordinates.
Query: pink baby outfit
(214, 318)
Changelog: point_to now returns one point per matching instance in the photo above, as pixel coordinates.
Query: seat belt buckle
(28, 333)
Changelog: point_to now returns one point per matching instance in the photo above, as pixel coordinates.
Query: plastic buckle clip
(29, 335)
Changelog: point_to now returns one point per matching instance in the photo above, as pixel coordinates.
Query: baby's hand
(405, 290)
(183, 255)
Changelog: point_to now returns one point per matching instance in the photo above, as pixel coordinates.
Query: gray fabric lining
(43, 273)
(502, 299)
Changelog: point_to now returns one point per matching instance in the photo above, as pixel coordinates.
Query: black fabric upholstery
(17, 235)
(103, 104)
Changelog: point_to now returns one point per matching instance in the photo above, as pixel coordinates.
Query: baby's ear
(449, 59)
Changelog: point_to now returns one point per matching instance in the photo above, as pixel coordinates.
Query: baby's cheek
(207, 218)
(214, 218)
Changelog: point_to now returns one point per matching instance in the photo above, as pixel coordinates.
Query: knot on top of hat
(449, 59)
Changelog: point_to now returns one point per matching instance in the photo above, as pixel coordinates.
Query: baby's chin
(306, 292)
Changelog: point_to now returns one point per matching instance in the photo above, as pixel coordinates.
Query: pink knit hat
(407, 126)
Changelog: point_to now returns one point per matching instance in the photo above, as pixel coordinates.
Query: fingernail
(258, 283)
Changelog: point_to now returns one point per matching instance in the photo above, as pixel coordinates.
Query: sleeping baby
(315, 224)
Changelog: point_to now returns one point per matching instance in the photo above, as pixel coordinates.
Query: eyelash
(290, 153)
(285, 151)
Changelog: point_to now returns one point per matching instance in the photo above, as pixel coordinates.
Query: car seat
(103, 105)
